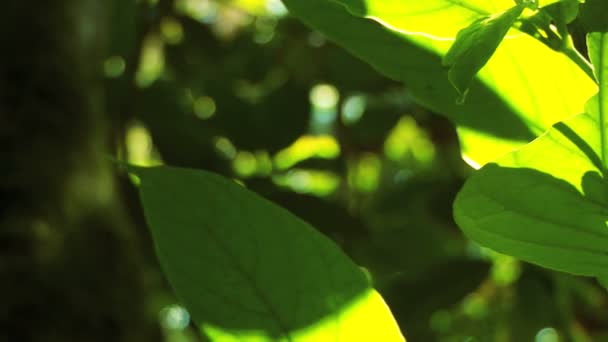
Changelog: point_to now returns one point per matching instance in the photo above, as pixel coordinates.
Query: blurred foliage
(240, 88)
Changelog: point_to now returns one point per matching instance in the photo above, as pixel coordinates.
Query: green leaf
(475, 45)
(250, 271)
(597, 45)
(547, 203)
(550, 25)
(512, 100)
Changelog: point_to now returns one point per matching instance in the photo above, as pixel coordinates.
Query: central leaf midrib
(256, 289)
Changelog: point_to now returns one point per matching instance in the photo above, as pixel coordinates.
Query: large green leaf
(251, 271)
(523, 89)
(547, 203)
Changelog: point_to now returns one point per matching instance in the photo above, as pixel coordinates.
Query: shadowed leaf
(251, 271)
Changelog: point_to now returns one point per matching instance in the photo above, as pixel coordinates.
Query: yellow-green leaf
(523, 89)
(547, 203)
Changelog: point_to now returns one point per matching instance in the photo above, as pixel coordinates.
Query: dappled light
(527, 85)
(152, 61)
(304, 170)
(319, 183)
(306, 147)
(332, 300)
(360, 320)
(140, 150)
(407, 140)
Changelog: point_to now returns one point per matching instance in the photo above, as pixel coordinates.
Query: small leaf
(250, 271)
(475, 45)
(550, 24)
(547, 203)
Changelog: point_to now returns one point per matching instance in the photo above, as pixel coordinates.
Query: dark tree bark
(69, 261)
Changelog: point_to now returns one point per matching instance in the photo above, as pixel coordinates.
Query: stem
(577, 58)
(603, 39)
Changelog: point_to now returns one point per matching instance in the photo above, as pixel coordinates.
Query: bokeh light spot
(204, 11)
(407, 140)
(547, 335)
(364, 172)
(475, 306)
(245, 164)
(140, 150)
(324, 96)
(318, 183)
(114, 66)
(174, 317)
(352, 109)
(505, 270)
(276, 8)
(172, 30)
(204, 107)
(152, 61)
(224, 147)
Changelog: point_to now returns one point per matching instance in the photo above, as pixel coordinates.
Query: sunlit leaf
(550, 24)
(519, 93)
(547, 203)
(248, 270)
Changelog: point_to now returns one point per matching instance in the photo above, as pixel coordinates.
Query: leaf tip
(462, 96)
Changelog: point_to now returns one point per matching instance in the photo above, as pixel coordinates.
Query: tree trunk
(69, 264)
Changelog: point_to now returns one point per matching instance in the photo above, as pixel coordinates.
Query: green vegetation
(305, 170)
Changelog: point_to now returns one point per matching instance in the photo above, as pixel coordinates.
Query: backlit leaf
(547, 203)
(519, 93)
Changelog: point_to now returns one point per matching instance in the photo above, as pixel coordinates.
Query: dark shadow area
(416, 299)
